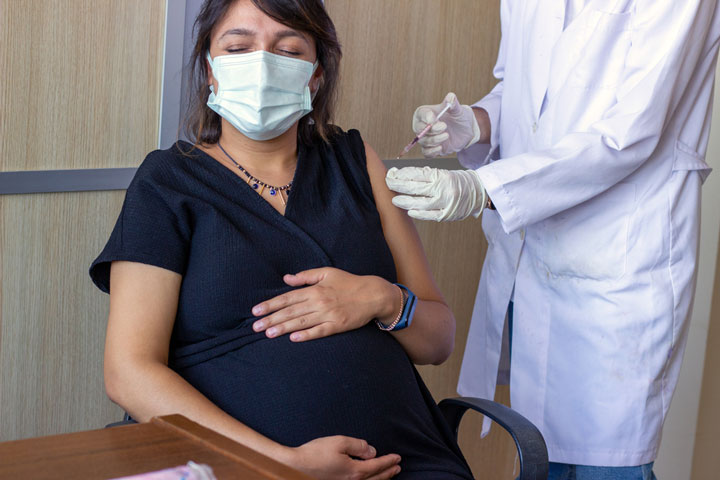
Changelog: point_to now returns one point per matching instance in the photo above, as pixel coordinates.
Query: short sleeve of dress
(151, 228)
(357, 150)
(349, 151)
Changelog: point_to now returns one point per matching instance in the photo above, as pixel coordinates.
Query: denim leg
(510, 325)
(561, 471)
(503, 375)
(642, 472)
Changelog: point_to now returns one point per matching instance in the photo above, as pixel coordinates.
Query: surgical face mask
(260, 93)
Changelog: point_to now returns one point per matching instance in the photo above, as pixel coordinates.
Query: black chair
(532, 451)
(127, 420)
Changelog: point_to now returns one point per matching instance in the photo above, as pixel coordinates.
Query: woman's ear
(210, 77)
(316, 80)
(208, 68)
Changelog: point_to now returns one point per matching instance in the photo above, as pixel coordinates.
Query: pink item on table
(191, 471)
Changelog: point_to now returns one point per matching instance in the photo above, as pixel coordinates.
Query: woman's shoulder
(165, 164)
(343, 157)
(337, 135)
(344, 146)
(180, 169)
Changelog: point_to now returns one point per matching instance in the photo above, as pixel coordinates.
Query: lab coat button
(534, 127)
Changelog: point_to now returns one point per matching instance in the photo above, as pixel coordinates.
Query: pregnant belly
(359, 383)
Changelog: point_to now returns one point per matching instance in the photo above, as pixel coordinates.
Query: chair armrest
(530, 443)
(127, 420)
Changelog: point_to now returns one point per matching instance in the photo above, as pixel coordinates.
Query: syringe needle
(423, 132)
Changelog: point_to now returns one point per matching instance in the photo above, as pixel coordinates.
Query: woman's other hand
(342, 457)
(333, 301)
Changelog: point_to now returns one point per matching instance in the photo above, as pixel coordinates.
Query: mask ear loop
(212, 69)
(311, 120)
(312, 94)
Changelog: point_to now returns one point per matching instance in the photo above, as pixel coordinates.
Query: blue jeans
(510, 322)
(563, 471)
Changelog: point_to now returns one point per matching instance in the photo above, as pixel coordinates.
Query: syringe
(424, 131)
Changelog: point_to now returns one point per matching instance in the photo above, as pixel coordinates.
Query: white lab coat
(600, 124)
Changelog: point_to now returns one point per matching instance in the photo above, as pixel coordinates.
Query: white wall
(676, 453)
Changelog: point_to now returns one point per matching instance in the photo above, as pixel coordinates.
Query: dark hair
(202, 125)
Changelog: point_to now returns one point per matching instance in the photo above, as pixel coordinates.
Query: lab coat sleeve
(668, 42)
(477, 155)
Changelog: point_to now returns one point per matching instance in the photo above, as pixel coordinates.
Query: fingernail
(257, 310)
(397, 470)
(295, 337)
(272, 332)
(257, 326)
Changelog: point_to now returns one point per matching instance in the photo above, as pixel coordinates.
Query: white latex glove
(456, 130)
(434, 194)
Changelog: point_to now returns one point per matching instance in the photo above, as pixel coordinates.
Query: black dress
(191, 215)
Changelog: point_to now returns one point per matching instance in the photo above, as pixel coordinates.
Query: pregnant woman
(261, 281)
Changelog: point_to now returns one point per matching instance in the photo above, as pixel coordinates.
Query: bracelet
(407, 310)
(390, 327)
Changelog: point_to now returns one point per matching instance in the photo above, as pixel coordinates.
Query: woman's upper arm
(143, 303)
(412, 267)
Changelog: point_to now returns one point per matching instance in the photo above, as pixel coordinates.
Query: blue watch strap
(408, 309)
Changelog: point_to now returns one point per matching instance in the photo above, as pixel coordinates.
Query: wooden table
(164, 442)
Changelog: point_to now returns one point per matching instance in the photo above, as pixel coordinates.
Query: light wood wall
(79, 88)
(706, 461)
(398, 55)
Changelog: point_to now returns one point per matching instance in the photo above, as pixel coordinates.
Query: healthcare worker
(598, 130)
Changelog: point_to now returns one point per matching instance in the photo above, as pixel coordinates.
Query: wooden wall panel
(456, 251)
(80, 82)
(706, 461)
(398, 55)
(90, 99)
(79, 88)
(52, 379)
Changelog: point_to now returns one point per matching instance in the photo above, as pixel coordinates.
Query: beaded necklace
(257, 184)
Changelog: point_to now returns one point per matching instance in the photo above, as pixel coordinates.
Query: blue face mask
(260, 93)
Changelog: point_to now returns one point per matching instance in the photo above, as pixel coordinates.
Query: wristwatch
(407, 310)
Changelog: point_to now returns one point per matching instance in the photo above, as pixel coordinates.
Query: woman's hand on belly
(332, 301)
(340, 457)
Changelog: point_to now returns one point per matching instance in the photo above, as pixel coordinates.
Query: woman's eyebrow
(238, 31)
(290, 33)
(251, 33)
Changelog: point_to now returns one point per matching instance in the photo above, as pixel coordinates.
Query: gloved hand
(456, 130)
(434, 194)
